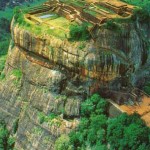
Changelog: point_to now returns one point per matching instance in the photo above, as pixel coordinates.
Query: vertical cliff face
(45, 75)
(131, 46)
(37, 93)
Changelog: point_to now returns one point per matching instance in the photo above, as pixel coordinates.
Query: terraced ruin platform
(60, 14)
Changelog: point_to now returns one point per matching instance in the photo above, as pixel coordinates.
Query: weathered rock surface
(39, 90)
(57, 75)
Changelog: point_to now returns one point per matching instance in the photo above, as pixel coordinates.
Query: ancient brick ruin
(94, 12)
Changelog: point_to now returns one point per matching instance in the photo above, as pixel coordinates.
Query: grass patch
(37, 130)
(106, 9)
(43, 118)
(18, 74)
(2, 76)
(82, 46)
(78, 3)
(58, 27)
(51, 119)
(93, 13)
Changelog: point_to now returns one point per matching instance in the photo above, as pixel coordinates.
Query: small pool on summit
(47, 16)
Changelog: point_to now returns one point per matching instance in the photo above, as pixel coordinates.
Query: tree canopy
(96, 130)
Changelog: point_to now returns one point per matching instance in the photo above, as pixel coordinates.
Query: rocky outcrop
(57, 75)
(40, 90)
(85, 62)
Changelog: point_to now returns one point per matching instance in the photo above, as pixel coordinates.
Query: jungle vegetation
(97, 131)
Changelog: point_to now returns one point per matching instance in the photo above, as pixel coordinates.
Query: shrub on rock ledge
(79, 32)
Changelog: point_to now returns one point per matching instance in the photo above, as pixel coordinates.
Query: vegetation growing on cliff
(136, 2)
(142, 14)
(6, 15)
(6, 141)
(79, 32)
(96, 130)
(62, 143)
(18, 75)
(112, 25)
(51, 119)
(57, 27)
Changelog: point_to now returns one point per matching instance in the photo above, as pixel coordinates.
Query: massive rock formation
(56, 75)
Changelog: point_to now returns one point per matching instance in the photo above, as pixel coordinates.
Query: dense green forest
(97, 131)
